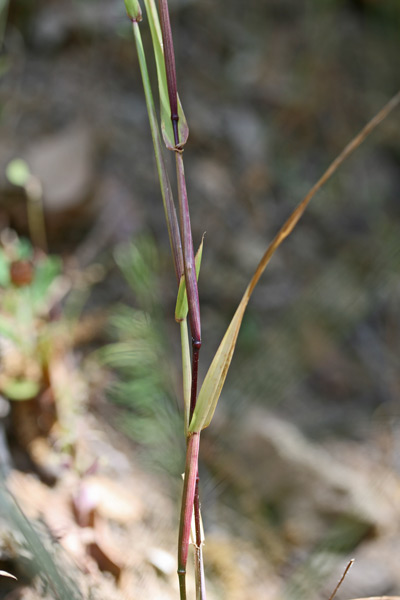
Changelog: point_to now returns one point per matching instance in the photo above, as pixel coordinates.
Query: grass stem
(188, 258)
(199, 564)
(188, 494)
(166, 191)
(170, 66)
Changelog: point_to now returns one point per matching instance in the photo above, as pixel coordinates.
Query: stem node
(196, 344)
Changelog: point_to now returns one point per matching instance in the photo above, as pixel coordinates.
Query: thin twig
(331, 597)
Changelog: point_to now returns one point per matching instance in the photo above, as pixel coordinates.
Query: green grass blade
(166, 190)
(165, 109)
(186, 372)
(216, 375)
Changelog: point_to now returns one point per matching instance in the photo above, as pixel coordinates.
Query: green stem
(188, 256)
(35, 212)
(186, 371)
(195, 327)
(166, 191)
(170, 66)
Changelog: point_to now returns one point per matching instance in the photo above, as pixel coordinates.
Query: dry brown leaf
(216, 375)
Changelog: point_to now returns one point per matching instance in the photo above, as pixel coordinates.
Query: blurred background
(300, 470)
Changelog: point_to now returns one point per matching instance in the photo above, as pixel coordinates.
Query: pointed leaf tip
(182, 309)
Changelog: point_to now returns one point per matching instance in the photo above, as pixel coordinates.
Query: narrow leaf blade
(166, 190)
(216, 375)
(186, 372)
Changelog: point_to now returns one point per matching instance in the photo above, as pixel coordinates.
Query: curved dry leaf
(216, 375)
(6, 574)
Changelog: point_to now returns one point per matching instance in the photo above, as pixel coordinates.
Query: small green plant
(39, 376)
(199, 407)
(30, 286)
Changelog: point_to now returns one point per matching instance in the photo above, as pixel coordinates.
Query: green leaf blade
(165, 109)
(166, 190)
(216, 375)
(186, 372)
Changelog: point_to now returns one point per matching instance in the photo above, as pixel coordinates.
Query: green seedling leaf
(133, 10)
(181, 309)
(46, 272)
(20, 389)
(17, 172)
(216, 375)
(165, 108)
(4, 269)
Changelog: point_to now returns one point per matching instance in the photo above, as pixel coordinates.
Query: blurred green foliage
(144, 386)
(28, 289)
